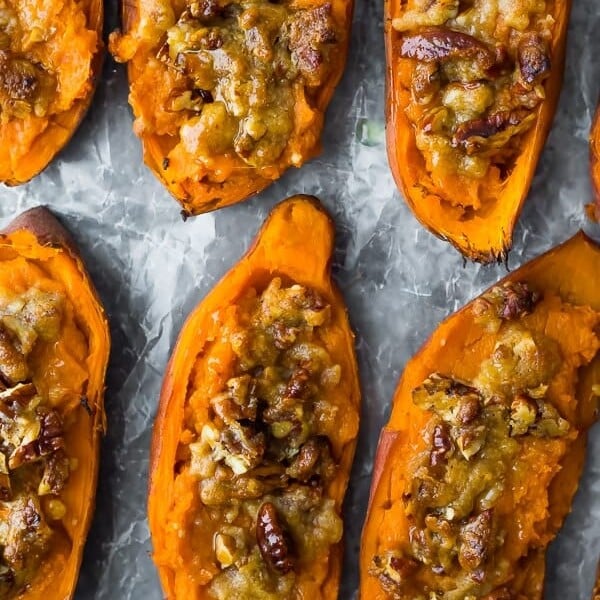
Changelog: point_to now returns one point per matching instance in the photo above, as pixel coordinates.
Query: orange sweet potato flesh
(35, 250)
(295, 243)
(483, 235)
(71, 49)
(226, 179)
(457, 348)
(595, 163)
(596, 592)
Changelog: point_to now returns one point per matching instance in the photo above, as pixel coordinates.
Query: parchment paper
(399, 281)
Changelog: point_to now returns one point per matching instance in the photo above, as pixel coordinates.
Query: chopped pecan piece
(313, 459)
(456, 402)
(442, 445)
(297, 386)
(273, 542)
(533, 59)
(310, 30)
(56, 473)
(392, 570)
(14, 399)
(523, 414)
(243, 447)
(13, 366)
(475, 541)
(439, 45)
(206, 10)
(27, 534)
(425, 82)
(469, 133)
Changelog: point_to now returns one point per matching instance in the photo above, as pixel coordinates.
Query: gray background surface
(399, 281)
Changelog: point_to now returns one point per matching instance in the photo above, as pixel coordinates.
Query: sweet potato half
(54, 346)
(595, 163)
(478, 464)
(258, 517)
(50, 59)
(228, 94)
(475, 213)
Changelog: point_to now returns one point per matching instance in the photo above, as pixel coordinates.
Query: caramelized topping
(241, 63)
(264, 460)
(478, 71)
(476, 436)
(34, 467)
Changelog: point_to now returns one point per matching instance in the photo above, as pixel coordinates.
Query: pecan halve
(476, 539)
(439, 44)
(273, 542)
(533, 59)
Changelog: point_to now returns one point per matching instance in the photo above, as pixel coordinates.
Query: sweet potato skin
(281, 248)
(595, 164)
(39, 236)
(454, 342)
(485, 236)
(19, 166)
(201, 192)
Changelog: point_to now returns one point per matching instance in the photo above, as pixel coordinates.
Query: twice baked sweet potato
(228, 94)
(471, 93)
(257, 425)
(596, 592)
(478, 464)
(50, 57)
(54, 346)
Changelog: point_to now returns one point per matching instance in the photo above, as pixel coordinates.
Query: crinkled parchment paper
(151, 269)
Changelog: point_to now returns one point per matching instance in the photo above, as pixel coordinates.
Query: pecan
(442, 445)
(56, 473)
(439, 45)
(519, 300)
(425, 82)
(486, 127)
(507, 302)
(470, 440)
(13, 366)
(27, 533)
(310, 31)
(313, 459)
(456, 402)
(13, 399)
(244, 447)
(476, 540)
(283, 335)
(523, 414)
(297, 386)
(392, 569)
(19, 78)
(468, 410)
(533, 59)
(51, 432)
(273, 542)
(205, 10)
